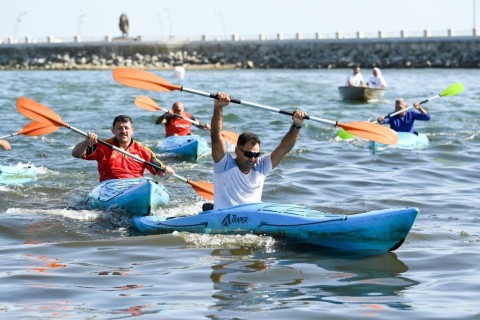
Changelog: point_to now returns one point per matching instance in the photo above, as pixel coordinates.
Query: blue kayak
(191, 147)
(406, 140)
(18, 174)
(137, 196)
(379, 231)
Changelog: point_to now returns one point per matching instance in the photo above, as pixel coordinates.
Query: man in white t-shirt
(355, 79)
(240, 180)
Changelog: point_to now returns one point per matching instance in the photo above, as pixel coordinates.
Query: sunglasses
(250, 154)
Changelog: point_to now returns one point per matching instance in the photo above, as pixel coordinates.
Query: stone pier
(299, 53)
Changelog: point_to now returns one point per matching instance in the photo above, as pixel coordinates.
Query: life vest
(178, 126)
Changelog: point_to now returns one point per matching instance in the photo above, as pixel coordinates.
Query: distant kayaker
(175, 122)
(5, 145)
(240, 179)
(403, 122)
(356, 78)
(113, 164)
(377, 80)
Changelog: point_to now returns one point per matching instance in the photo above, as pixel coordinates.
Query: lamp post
(161, 25)
(219, 14)
(81, 16)
(169, 22)
(474, 16)
(18, 21)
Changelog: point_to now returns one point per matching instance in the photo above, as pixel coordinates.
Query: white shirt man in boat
(356, 78)
(240, 180)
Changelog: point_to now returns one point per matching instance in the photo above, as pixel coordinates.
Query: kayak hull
(191, 147)
(379, 231)
(406, 140)
(20, 174)
(137, 196)
(361, 94)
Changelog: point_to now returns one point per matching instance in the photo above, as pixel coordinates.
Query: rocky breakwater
(421, 52)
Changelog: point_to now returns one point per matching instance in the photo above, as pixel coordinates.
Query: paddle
(451, 90)
(149, 104)
(40, 113)
(31, 129)
(149, 81)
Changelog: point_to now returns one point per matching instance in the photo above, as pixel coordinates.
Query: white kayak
(379, 231)
(19, 174)
(406, 140)
(136, 196)
(191, 147)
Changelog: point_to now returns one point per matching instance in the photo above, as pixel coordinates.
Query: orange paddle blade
(204, 189)
(38, 112)
(230, 136)
(371, 131)
(146, 103)
(142, 80)
(37, 129)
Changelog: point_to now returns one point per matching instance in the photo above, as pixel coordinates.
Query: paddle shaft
(259, 106)
(127, 153)
(410, 107)
(179, 116)
(9, 135)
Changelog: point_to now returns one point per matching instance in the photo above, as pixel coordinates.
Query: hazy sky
(217, 18)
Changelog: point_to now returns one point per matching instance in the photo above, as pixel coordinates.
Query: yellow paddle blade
(371, 131)
(453, 89)
(142, 80)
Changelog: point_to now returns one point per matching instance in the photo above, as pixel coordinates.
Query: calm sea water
(61, 260)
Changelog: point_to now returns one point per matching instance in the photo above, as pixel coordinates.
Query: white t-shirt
(356, 79)
(377, 82)
(233, 187)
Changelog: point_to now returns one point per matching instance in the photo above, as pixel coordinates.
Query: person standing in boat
(240, 180)
(377, 80)
(356, 78)
(5, 145)
(403, 122)
(176, 123)
(113, 164)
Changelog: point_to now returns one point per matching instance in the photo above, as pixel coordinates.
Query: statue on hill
(124, 25)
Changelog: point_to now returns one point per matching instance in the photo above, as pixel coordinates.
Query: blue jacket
(405, 123)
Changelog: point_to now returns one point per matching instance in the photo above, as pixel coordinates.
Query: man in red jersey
(176, 123)
(113, 164)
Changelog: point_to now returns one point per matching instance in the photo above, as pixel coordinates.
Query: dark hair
(247, 137)
(122, 118)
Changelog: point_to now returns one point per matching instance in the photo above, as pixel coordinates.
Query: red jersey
(178, 126)
(115, 165)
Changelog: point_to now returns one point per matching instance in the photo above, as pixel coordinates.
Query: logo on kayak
(228, 220)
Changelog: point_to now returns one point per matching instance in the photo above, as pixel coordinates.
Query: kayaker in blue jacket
(240, 179)
(403, 122)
